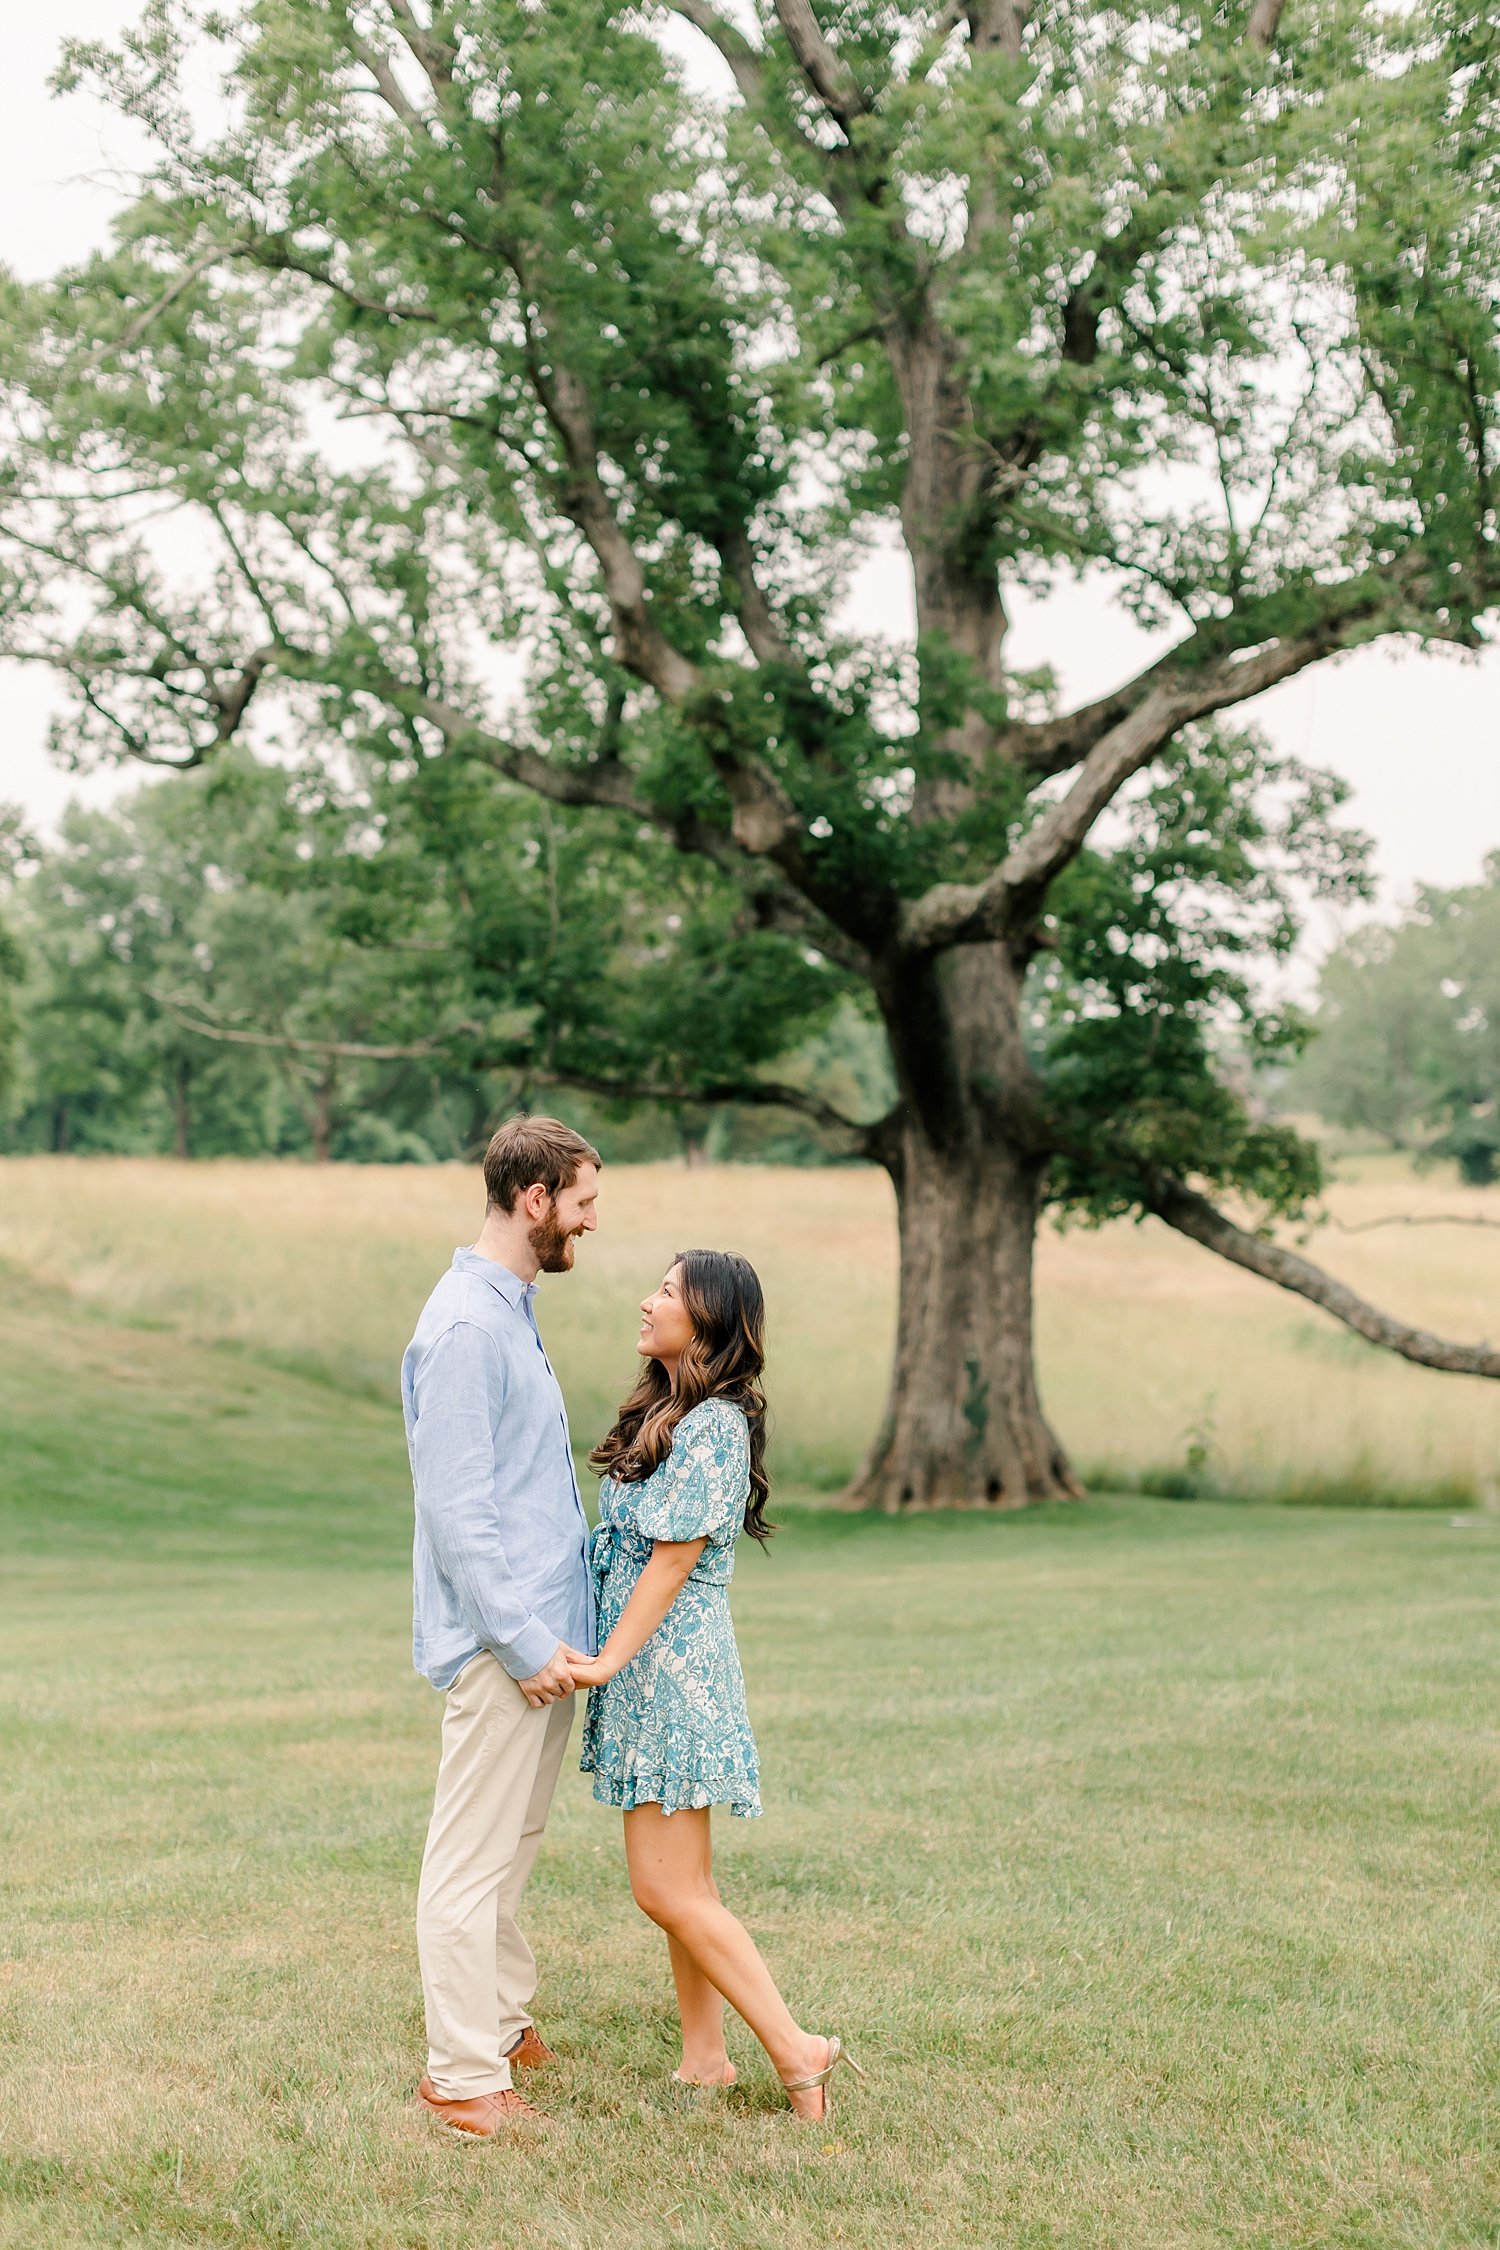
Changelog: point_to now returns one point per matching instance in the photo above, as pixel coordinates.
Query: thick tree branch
(1265, 15)
(757, 621)
(826, 72)
(786, 895)
(389, 86)
(1053, 746)
(998, 23)
(607, 783)
(1192, 1214)
(765, 823)
(744, 62)
(967, 913)
(640, 645)
(432, 54)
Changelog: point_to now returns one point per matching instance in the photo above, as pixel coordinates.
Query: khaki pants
(499, 1767)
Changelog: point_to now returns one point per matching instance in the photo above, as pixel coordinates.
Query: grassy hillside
(1155, 1356)
(1143, 1853)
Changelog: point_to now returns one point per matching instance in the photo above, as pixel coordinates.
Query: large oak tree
(670, 310)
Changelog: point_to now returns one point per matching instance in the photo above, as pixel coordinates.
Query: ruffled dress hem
(674, 1793)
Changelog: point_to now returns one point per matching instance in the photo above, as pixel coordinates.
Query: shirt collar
(505, 1284)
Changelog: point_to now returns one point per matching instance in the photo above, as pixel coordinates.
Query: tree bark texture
(964, 1425)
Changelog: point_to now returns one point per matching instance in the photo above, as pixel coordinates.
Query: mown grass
(1161, 1365)
(1144, 1853)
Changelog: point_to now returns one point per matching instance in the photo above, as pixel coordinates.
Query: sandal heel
(837, 2053)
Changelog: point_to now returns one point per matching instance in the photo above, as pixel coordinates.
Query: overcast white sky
(1418, 736)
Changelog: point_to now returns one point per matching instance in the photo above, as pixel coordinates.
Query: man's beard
(551, 1243)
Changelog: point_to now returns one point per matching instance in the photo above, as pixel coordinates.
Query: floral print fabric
(671, 1728)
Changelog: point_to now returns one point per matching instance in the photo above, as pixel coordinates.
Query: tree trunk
(182, 1111)
(964, 1425)
(322, 1123)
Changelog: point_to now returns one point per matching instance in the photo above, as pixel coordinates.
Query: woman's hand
(667, 1570)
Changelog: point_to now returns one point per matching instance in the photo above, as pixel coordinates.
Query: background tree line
(254, 961)
(249, 961)
(1408, 1030)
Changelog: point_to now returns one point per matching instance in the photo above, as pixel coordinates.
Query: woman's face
(666, 1329)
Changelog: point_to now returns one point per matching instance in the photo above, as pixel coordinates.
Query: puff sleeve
(700, 1490)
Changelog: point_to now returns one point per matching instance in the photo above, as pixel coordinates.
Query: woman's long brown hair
(724, 1358)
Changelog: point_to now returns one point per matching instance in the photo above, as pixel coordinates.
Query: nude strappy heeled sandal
(837, 2053)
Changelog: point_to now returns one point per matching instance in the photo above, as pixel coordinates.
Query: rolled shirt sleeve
(458, 1391)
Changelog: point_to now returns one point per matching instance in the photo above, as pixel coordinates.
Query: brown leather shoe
(531, 2050)
(483, 2116)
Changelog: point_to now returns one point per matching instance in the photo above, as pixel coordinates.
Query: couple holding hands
(517, 1605)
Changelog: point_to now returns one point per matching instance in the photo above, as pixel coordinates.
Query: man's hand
(552, 1683)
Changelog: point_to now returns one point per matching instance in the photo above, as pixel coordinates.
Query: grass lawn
(1143, 1853)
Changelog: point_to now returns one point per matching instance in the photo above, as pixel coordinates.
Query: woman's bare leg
(668, 1855)
(700, 2008)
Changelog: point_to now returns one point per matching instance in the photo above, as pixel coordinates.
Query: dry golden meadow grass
(1153, 1353)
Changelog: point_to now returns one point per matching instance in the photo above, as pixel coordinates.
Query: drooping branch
(282, 1042)
(1413, 1219)
(223, 699)
(754, 1093)
(273, 253)
(150, 314)
(1192, 1214)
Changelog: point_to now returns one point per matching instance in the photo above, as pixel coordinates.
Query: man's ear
(536, 1200)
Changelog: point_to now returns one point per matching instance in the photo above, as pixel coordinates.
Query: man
(502, 1600)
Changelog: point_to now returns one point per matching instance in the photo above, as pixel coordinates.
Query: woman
(666, 1733)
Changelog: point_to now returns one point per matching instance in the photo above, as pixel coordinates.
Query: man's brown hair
(532, 1151)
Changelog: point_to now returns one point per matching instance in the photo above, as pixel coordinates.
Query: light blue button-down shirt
(500, 1558)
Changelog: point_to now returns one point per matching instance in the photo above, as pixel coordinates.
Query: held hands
(555, 1679)
(566, 1669)
(591, 1671)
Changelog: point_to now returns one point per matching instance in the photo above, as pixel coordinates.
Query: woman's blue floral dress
(671, 1728)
